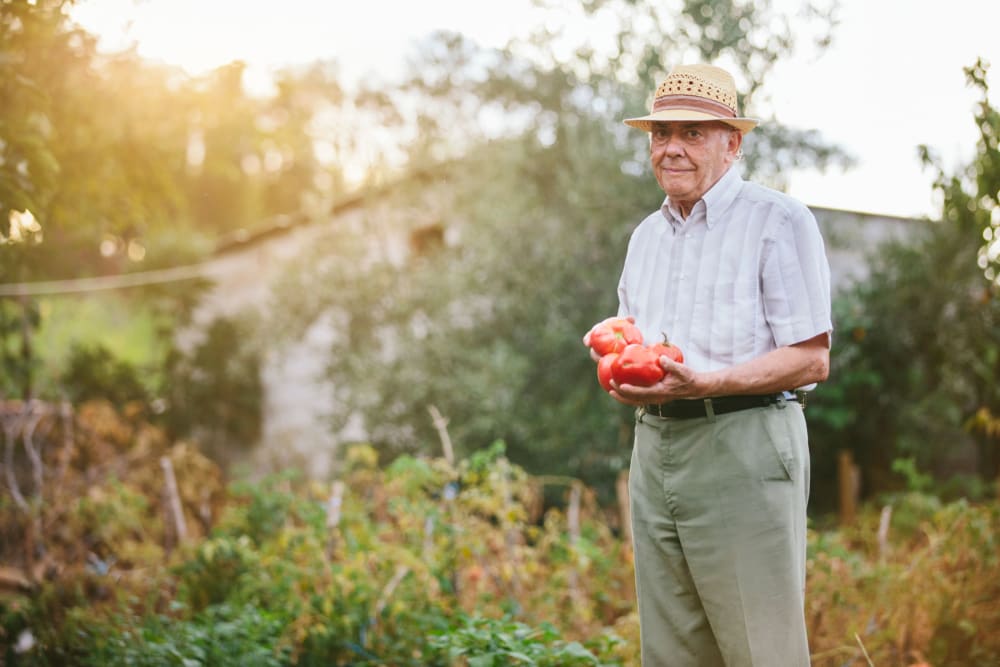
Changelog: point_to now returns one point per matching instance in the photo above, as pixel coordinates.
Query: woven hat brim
(645, 123)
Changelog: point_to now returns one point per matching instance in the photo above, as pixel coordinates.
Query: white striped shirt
(744, 274)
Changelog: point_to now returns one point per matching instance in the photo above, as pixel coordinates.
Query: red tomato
(668, 349)
(612, 335)
(638, 365)
(604, 370)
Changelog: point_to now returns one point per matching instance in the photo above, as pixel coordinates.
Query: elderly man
(737, 275)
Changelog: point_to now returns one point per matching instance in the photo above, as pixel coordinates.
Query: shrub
(93, 372)
(425, 563)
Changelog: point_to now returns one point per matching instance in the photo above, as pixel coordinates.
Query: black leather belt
(720, 405)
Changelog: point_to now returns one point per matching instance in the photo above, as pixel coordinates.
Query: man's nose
(671, 147)
(674, 147)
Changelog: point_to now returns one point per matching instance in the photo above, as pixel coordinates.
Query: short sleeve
(795, 280)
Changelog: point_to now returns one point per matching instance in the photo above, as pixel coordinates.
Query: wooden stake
(428, 546)
(883, 531)
(624, 508)
(333, 513)
(573, 524)
(333, 505)
(849, 479)
(174, 499)
(573, 513)
(510, 538)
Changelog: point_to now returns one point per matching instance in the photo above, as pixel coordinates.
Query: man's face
(688, 158)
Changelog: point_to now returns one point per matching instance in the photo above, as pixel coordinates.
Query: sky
(891, 80)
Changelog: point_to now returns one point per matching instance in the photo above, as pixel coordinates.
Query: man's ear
(735, 142)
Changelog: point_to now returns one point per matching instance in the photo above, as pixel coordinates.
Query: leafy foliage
(423, 562)
(484, 642)
(94, 373)
(18, 321)
(542, 188)
(922, 596)
(146, 157)
(915, 364)
(215, 390)
(111, 164)
(155, 166)
(222, 635)
(28, 167)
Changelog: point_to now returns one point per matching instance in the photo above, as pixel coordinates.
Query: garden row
(133, 550)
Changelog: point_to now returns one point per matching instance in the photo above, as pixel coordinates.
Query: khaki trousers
(719, 525)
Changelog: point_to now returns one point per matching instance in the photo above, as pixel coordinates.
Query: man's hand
(679, 381)
(779, 370)
(586, 341)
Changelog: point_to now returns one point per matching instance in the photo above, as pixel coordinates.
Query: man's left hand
(679, 381)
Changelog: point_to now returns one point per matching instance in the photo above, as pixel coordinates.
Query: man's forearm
(780, 370)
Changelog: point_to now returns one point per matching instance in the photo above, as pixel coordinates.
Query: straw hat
(695, 93)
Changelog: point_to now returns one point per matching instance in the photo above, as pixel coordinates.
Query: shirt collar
(715, 202)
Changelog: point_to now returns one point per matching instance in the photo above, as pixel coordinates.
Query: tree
(971, 207)
(214, 392)
(917, 355)
(111, 164)
(535, 212)
(27, 171)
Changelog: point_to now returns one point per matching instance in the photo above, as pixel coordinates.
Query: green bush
(218, 636)
(93, 372)
(214, 391)
(485, 642)
(426, 563)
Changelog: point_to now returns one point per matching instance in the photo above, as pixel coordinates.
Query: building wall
(297, 394)
(852, 237)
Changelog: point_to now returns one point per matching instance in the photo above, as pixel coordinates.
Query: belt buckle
(800, 396)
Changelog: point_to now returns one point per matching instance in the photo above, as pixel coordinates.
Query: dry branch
(12, 424)
(32, 418)
(441, 424)
(386, 594)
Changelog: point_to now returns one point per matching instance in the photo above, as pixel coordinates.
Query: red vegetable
(638, 365)
(612, 335)
(604, 370)
(668, 349)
